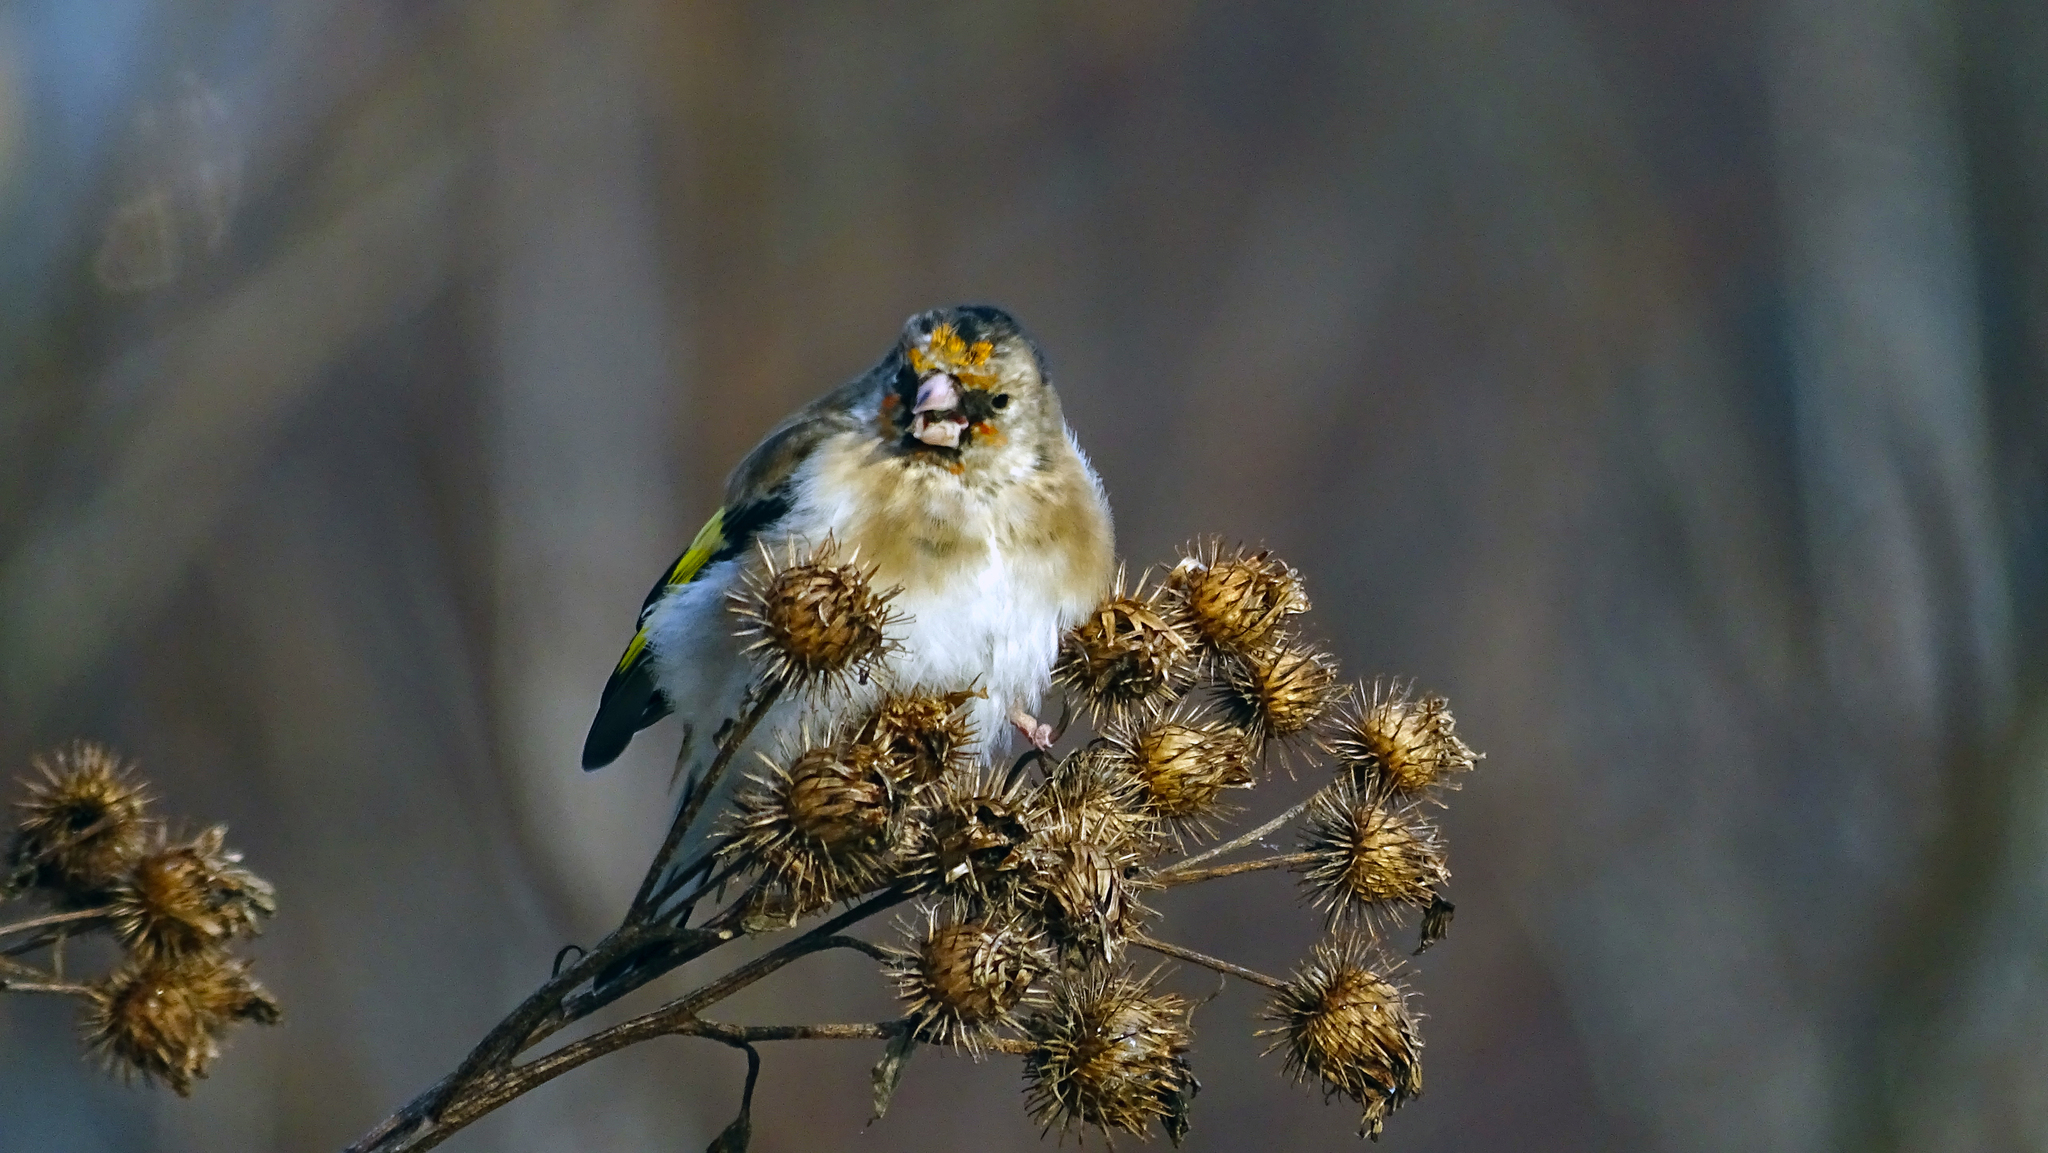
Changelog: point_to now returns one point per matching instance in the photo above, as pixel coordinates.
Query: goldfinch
(950, 469)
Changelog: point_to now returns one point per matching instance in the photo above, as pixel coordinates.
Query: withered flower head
(164, 1019)
(1182, 761)
(184, 898)
(1096, 795)
(1136, 649)
(813, 620)
(1390, 737)
(81, 826)
(919, 736)
(1109, 1053)
(1237, 600)
(1345, 1019)
(1279, 692)
(1370, 854)
(1082, 887)
(963, 980)
(970, 840)
(819, 829)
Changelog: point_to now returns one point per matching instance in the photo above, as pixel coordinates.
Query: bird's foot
(1036, 731)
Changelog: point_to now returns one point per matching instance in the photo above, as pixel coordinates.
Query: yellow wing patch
(708, 541)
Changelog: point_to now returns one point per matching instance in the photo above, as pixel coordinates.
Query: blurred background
(1666, 383)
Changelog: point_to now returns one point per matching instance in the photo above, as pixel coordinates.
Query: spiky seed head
(838, 803)
(814, 619)
(184, 897)
(80, 827)
(1238, 601)
(1096, 795)
(964, 980)
(919, 736)
(1371, 855)
(1083, 890)
(1135, 650)
(1108, 1052)
(1392, 738)
(1280, 692)
(968, 844)
(164, 1018)
(1183, 762)
(1345, 1018)
(818, 829)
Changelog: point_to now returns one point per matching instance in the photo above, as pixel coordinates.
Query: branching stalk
(1236, 843)
(1181, 875)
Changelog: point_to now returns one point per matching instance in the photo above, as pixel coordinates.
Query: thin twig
(869, 947)
(21, 970)
(1207, 962)
(1235, 843)
(1182, 876)
(540, 1014)
(825, 936)
(93, 913)
(495, 1087)
(10, 985)
(643, 906)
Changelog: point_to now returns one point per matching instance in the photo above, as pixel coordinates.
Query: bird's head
(967, 378)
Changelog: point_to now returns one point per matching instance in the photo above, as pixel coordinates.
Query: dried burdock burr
(1095, 791)
(1237, 601)
(1081, 886)
(819, 829)
(1278, 693)
(1108, 1052)
(1345, 1019)
(1394, 740)
(164, 1019)
(814, 621)
(186, 897)
(963, 980)
(1370, 855)
(1182, 762)
(1135, 650)
(80, 828)
(968, 843)
(919, 737)
(1031, 870)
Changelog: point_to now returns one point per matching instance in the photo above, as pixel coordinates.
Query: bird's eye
(1001, 401)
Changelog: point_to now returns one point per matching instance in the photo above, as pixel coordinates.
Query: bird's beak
(936, 418)
(938, 392)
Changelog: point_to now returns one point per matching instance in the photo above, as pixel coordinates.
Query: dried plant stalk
(1031, 875)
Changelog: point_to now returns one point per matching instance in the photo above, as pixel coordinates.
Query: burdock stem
(644, 906)
(1185, 876)
(413, 1130)
(1234, 843)
(10, 985)
(91, 914)
(1178, 953)
(540, 1014)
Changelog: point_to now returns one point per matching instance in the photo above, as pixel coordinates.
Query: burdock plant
(88, 850)
(1029, 881)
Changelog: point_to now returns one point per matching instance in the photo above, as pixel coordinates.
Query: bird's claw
(1036, 731)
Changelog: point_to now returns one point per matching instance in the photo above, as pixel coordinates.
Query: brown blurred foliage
(1665, 383)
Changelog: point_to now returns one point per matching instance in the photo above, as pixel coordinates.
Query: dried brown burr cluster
(88, 851)
(1032, 884)
(1033, 880)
